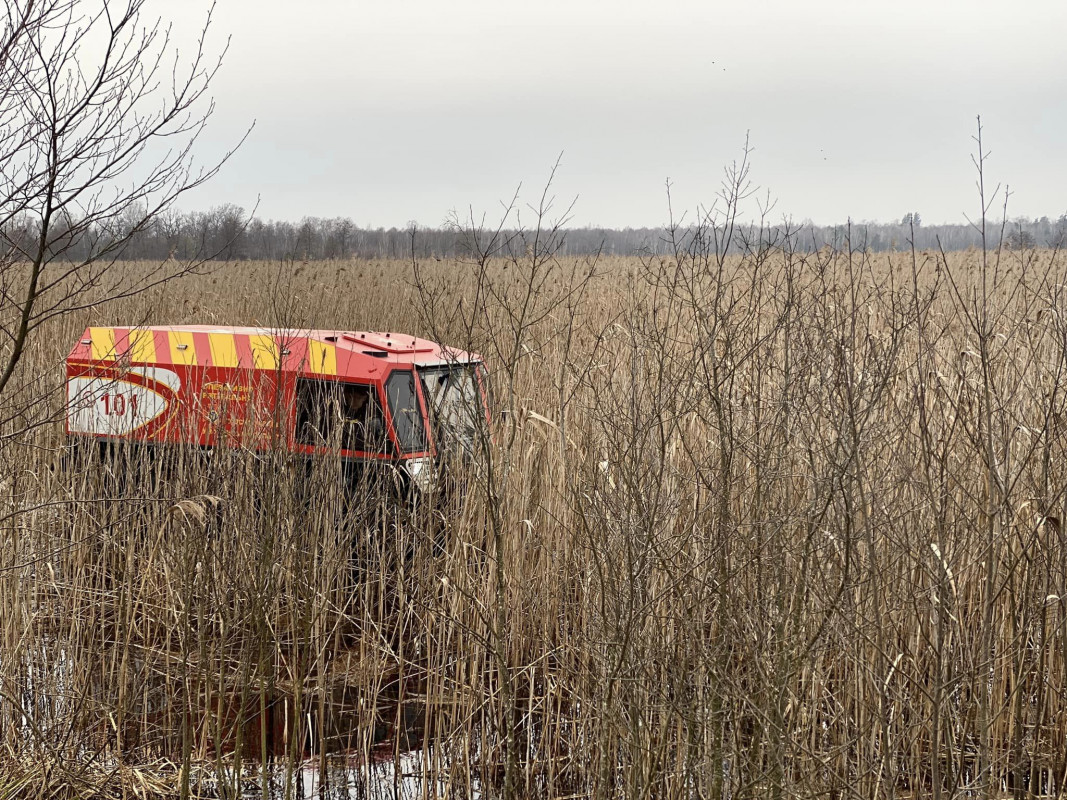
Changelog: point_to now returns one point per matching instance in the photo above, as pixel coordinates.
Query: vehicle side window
(334, 414)
(407, 414)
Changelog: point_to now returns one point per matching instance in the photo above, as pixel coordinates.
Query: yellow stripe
(142, 346)
(264, 351)
(223, 350)
(323, 357)
(186, 356)
(103, 344)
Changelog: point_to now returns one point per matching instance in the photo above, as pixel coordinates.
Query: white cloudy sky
(401, 110)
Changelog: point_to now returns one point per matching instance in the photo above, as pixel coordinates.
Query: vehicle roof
(334, 353)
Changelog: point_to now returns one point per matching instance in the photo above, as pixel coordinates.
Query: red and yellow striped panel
(223, 349)
(265, 351)
(261, 351)
(142, 345)
(182, 348)
(102, 346)
(322, 357)
(134, 344)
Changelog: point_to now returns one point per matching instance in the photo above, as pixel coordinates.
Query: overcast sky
(401, 110)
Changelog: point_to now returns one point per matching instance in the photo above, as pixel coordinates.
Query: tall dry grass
(772, 525)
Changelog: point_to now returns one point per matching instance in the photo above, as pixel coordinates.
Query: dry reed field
(777, 524)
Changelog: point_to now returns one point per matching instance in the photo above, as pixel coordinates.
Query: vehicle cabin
(365, 396)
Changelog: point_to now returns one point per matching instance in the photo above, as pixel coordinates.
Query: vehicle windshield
(456, 409)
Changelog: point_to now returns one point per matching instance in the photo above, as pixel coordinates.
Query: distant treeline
(228, 233)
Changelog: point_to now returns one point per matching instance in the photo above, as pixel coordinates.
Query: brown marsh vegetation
(766, 524)
(777, 524)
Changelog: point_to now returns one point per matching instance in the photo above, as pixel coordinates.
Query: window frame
(404, 449)
(374, 396)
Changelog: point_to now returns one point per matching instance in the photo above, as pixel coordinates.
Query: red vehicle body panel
(221, 386)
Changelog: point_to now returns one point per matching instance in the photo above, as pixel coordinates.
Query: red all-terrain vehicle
(369, 398)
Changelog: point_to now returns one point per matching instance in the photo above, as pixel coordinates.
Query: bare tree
(99, 113)
(306, 239)
(345, 228)
(231, 221)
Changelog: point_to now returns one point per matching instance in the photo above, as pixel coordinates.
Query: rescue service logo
(222, 401)
(120, 402)
(234, 411)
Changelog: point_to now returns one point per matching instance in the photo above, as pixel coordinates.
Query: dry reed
(772, 525)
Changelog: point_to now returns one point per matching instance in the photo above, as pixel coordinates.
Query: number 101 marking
(115, 405)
